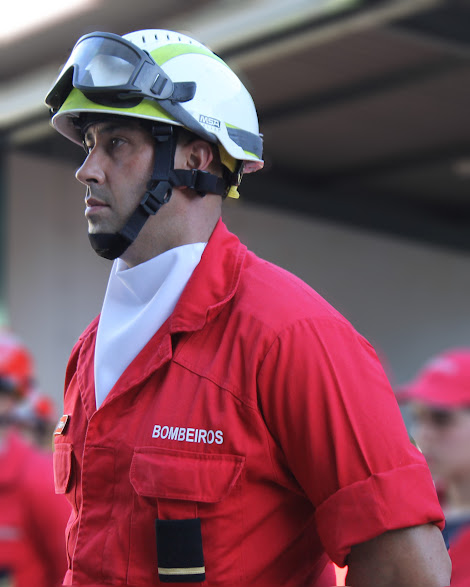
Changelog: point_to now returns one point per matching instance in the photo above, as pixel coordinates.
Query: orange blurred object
(16, 365)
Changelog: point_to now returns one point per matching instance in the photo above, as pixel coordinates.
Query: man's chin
(108, 245)
(99, 229)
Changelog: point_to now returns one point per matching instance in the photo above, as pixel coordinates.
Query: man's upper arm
(410, 557)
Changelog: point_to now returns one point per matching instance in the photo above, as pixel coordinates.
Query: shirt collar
(213, 282)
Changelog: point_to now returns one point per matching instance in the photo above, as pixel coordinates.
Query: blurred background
(364, 106)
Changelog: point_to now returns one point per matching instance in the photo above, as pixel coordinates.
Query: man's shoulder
(264, 291)
(276, 293)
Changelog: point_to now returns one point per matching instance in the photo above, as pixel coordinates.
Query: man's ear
(199, 155)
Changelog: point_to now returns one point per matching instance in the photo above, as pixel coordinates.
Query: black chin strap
(159, 189)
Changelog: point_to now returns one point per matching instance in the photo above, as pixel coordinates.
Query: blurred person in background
(439, 398)
(36, 417)
(223, 424)
(32, 517)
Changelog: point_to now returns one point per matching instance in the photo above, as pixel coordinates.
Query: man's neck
(179, 231)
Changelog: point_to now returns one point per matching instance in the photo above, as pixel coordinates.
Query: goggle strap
(183, 91)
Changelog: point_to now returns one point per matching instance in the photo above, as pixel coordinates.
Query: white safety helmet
(188, 85)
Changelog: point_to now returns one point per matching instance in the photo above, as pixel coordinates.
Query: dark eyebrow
(109, 127)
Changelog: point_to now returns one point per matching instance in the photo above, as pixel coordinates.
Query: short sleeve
(328, 403)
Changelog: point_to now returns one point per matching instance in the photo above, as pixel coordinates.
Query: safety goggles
(104, 66)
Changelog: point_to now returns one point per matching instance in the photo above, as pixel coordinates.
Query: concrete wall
(409, 300)
(55, 280)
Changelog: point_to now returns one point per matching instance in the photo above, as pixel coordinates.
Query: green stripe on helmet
(164, 54)
(76, 101)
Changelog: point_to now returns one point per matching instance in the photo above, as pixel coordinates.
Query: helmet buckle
(155, 197)
(162, 87)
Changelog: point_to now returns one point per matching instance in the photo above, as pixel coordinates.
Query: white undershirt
(137, 302)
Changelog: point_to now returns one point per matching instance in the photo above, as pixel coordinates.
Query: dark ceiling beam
(444, 44)
(440, 226)
(450, 21)
(385, 83)
(406, 161)
(308, 25)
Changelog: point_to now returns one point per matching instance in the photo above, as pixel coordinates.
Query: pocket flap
(171, 474)
(62, 466)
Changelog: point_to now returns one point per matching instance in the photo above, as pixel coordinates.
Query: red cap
(444, 381)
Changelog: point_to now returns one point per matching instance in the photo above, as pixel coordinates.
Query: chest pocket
(62, 466)
(183, 475)
(179, 488)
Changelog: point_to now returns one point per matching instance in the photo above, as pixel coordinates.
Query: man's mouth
(93, 204)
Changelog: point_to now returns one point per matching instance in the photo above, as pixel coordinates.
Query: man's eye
(116, 141)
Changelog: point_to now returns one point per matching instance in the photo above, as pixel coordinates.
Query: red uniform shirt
(32, 518)
(256, 411)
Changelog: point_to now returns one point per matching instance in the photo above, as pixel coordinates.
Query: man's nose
(91, 170)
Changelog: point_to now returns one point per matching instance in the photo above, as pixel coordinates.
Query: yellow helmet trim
(76, 101)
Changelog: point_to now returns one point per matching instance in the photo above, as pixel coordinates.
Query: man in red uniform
(223, 424)
(32, 518)
(440, 401)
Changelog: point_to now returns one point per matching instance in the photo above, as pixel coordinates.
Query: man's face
(444, 437)
(116, 171)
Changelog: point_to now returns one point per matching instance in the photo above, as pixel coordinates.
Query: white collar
(137, 302)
